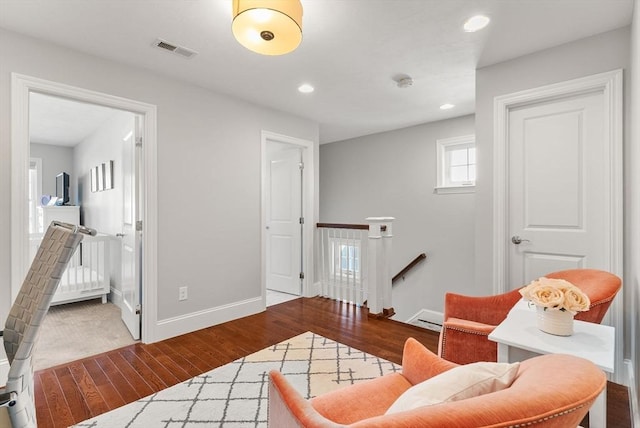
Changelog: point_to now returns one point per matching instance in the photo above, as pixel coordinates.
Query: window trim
(441, 148)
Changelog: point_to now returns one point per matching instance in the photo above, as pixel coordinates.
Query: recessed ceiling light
(306, 88)
(476, 23)
(446, 106)
(405, 82)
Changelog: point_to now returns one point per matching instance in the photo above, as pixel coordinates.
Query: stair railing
(408, 267)
(354, 263)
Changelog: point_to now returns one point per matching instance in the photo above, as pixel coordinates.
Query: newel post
(379, 266)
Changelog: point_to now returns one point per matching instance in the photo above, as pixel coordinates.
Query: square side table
(519, 338)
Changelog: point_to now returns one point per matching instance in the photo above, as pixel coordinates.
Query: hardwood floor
(70, 393)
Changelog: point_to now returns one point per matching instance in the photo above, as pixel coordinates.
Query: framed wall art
(94, 179)
(108, 175)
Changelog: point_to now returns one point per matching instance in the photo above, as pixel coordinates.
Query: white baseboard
(4, 371)
(187, 323)
(633, 395)
(115, 297)
(428, 319)
(316, 289)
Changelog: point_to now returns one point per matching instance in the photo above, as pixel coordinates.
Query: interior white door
(283, 214)
(130, 237)
(558, 187)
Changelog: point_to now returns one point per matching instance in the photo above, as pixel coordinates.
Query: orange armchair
(561, 399)
(468, 320)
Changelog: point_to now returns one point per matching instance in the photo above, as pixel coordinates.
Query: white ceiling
(351, 49)
(63, 122)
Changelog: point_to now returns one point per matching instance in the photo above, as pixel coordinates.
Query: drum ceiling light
(268, 27)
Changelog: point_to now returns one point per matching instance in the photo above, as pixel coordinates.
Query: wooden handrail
(348, 226)
(343, 226)
(407, 268)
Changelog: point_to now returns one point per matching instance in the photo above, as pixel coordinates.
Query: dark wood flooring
(70, 393)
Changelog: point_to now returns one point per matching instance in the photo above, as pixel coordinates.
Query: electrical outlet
(182, 293)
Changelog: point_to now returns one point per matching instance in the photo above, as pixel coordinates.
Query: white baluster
(387, 241)
(325, 264)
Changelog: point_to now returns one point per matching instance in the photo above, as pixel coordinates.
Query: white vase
(552, 321)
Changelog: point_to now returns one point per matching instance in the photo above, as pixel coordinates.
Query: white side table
(518, 338)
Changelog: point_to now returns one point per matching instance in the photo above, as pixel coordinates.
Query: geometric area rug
(235, 395)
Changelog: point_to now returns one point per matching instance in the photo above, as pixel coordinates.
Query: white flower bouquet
(556, 294)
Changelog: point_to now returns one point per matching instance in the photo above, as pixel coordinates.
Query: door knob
(518, 240)
(120, 235)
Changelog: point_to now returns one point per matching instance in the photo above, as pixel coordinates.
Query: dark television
(62, 188)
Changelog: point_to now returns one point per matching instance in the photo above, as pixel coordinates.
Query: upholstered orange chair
(468, 320)
(561, 398)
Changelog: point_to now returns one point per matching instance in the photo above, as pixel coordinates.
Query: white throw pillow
(456, 384)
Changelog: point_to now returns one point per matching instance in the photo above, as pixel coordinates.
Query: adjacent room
(287, 209)
(69, 142)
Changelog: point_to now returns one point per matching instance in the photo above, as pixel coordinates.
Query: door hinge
(301, 220)
(139, 142)
(138, 225)
(301, 165)
(138, 309)
(301, 275)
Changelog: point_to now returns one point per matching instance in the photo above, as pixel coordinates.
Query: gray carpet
(78, 330)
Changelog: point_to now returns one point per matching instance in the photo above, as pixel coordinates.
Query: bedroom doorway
(75, 139)
(22, 89)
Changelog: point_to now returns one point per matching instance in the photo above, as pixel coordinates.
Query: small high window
(456, 166)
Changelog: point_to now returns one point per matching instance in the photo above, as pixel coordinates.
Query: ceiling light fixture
(476, 23)
(306, 88)
(447, 106)
(268, 27)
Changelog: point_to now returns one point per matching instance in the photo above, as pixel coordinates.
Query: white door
(283, 213)
(130, 237)
(558, 187)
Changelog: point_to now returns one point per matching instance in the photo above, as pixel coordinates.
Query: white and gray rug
(235, 395)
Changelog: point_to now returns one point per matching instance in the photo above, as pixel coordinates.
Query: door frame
(308, 187)
(21, 86)
(610, 84)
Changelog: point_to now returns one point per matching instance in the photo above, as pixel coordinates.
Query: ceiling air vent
(171, 47)
(185, 52)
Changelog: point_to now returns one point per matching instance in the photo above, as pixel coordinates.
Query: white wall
(102, 210)
(208, 172)
(55, 159)
(394, 174)
(604, 52)
(633, 191)
(600, 53)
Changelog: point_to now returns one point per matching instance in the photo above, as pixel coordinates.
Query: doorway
(287, 165)
(73, 139)
(22, 88)
(284, 213)
(558, 184)
(88, 145)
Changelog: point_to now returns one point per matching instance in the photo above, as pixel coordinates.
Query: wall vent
(176, 49)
